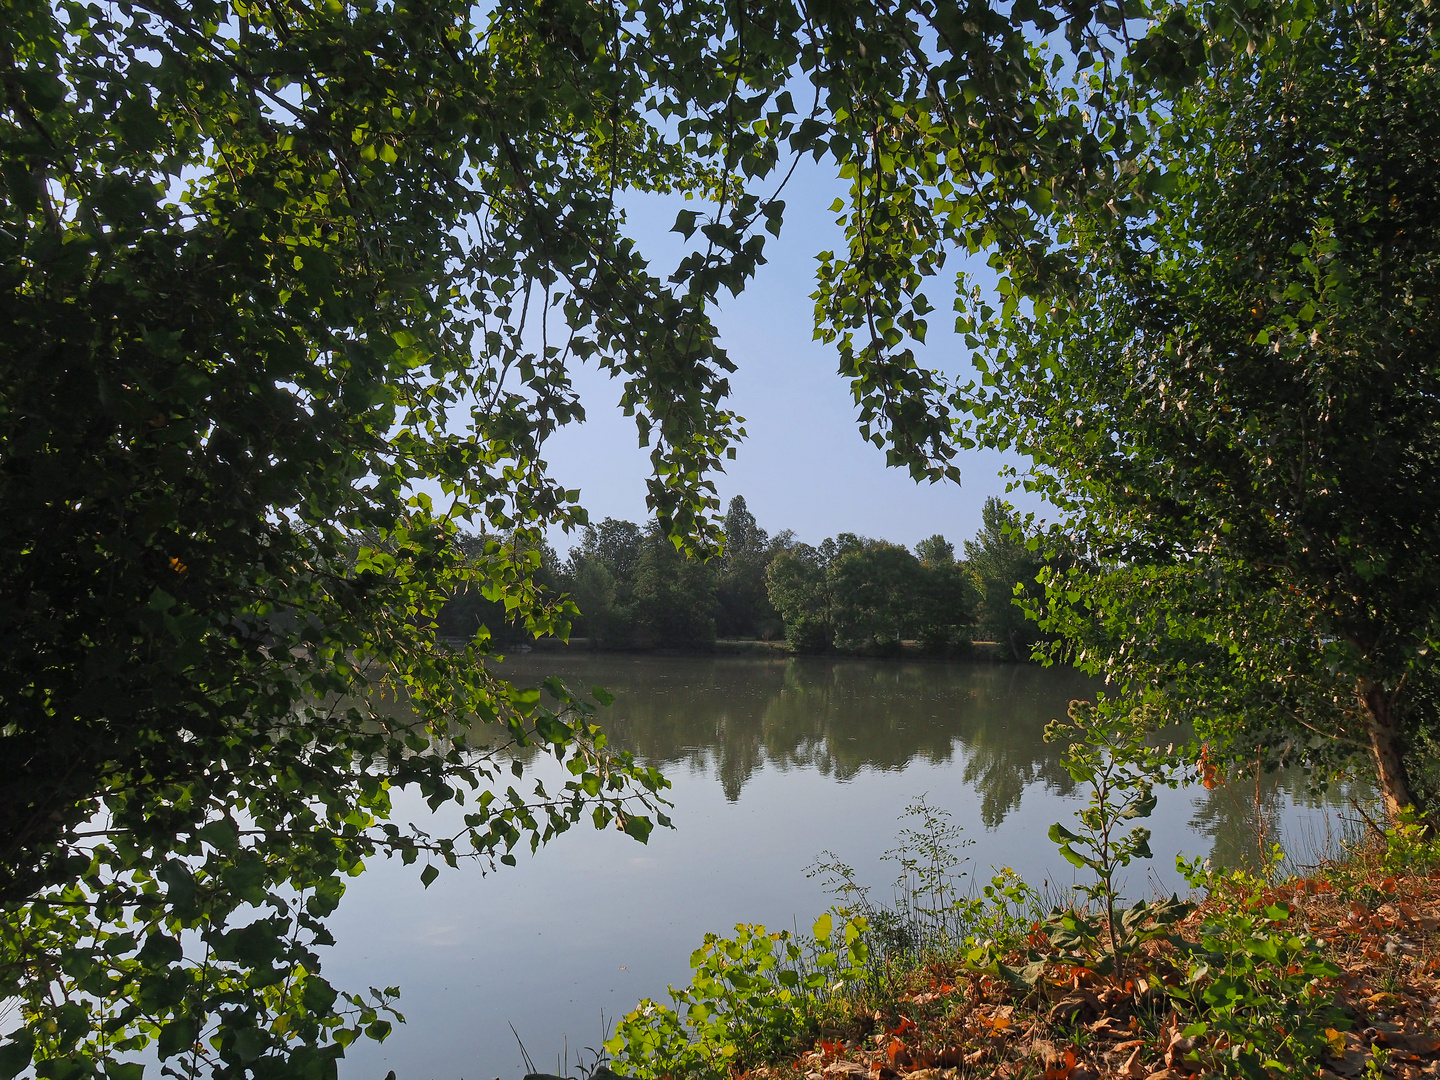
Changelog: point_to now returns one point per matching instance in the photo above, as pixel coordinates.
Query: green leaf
(1021, 979)
(823, 927)
(64, 1068)
(429, 874)
(221, 834)
(15, 1055)
(1059, 834)
(685, 222)
(1143, 808)
(638, 827)
(318, 996)
(249, 1044)
(176, 1037)
(161, 950)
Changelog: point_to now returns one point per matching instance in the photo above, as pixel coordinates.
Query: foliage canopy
(1242, 413)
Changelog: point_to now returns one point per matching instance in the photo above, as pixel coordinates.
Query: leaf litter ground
(943, 1023)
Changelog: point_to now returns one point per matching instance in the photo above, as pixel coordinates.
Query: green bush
(751, 995)
(1256, 989)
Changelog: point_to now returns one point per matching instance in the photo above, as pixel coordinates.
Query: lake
(773, 761)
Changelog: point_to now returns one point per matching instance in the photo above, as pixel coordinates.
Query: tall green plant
(934, 910)
(1108, 755)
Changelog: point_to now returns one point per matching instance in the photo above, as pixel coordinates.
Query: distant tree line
(850, 593)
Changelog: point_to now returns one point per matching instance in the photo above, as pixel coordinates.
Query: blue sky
(803, 465)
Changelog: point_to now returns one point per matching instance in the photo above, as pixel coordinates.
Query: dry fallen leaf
(998, 1023)
(1132, 1067)
(1108, 1026)
(1423, 1044)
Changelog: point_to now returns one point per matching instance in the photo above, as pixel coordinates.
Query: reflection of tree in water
(731, 716)
(1242, 818)
(1006, 748)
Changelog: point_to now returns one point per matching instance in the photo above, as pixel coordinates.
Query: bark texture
(1390, 772)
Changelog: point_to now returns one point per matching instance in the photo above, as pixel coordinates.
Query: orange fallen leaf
(1424, 1044)
(1061, 1070)
(894, 1050)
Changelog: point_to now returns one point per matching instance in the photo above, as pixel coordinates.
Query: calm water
(773, 761)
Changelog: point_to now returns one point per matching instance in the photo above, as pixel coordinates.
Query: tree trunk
(1394, 781)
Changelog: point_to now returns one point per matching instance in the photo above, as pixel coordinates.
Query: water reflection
(731, 717)
(1245, 817)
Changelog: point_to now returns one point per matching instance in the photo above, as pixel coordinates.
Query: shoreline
(982, 652)
(1332, 974)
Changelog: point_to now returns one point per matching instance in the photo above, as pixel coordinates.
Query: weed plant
(750, 998)
(938, 906)
(1255, 987)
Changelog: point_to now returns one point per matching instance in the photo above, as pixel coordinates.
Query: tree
(875, 589)
(864, 595)
(796, 584)
(279, 276)
(1000, 561)
(604, 619)
(601, 574)
(743, 606)
(944, 605)
(935, 551)
(616, 545)
(272, 276)
(1242, 412)
(634, 588)
(674, 597)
